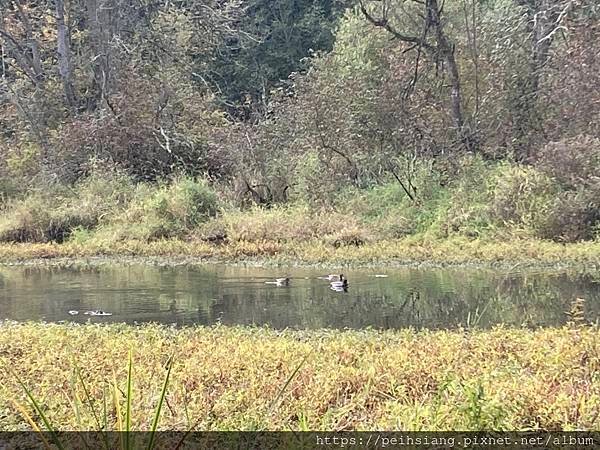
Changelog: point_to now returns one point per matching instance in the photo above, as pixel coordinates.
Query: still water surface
(419, 298)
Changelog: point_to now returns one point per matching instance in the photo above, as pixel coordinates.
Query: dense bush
(462, 207)
(522, 196)
(574, 216)
(186, 203)
(168, 210)
(485, 199)
(154, 131)
(573, 165)
(8, 190)
(573, 162)
(53, 213)
(358, 141)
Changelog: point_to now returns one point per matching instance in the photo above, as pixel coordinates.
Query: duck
(340, 283)
(97, 313)
(279, 282)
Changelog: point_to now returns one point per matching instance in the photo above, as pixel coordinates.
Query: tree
(18, 39)
(544, 23)
(275, 39)
(431, 22)
(63, 44)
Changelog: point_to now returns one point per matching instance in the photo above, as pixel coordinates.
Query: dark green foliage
(275, 39)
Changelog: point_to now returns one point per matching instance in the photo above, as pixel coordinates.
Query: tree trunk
(443, 49)
(98, 22)
(64, 54)
(543, 20)
(446, 51)
(32, 43)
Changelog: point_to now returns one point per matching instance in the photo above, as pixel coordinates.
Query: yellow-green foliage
(522, 196)
(228, 378)
(463, 209)
(25, 220)
(53, 214)
(165, 211)
(485, 200)
(289, 224)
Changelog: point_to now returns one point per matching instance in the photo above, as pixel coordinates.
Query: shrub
(186, 203)
(374, 202)
(22, 160)
(522, 196)
(572, 162)
(8, 190)
(315, 183)
(147, 135)
(574, 216)
(26, 220)
(463, 207)
(41, 217)
(285, 224)
(53, 213)
(169, 210)
(348, 236)
(394, 225)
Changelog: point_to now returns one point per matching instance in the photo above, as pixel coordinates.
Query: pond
(209, 294)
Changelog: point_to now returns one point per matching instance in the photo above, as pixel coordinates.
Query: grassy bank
(491, 213)
(235, 378)
(407, 251)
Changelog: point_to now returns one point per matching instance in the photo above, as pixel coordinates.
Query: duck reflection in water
(279, 282)
(339, 289)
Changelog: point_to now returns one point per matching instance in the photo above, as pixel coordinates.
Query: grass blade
(105, 408)
(160, 403)
(29, 419)
(128, 405)
(39, 410)
(117, 403)
(289, 380)
(90, 403)
(75, 402)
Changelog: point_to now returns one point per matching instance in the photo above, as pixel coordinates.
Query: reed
(122, 421)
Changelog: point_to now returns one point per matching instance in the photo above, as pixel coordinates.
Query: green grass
(237, 378)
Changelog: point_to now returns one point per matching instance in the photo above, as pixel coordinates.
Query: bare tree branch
(384, 23)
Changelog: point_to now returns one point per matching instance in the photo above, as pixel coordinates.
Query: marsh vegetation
(302, 132)
(229, 378)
